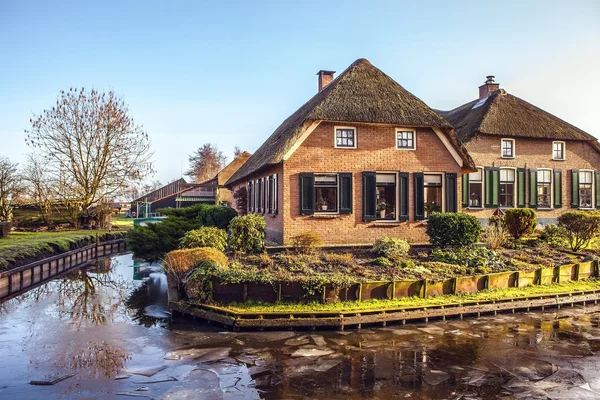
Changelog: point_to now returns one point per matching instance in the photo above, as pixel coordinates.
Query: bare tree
(91, 147)
(39, 186)
(11, 188)
(205, 163)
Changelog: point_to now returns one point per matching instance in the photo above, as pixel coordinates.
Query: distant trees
(39, 186)
(90, 147)
(205, 162)
(11, 188)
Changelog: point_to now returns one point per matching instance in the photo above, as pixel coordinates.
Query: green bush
(520, 221)
(478, 258)
(206, 236)
(390, 247)
(383, 262)
(153, 241)
(554, 236)
(247, 233)
(453, 229)
(307, 242)
(407, 265)
(580, 227)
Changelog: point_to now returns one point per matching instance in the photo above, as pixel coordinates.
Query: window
(508, 148)
(250, 196)
(476, 188)
(507, 187)
(405, 139)
(432, 197)
(585, 189)
(272, 194)
(558, 150)
(345, 137)
(386, 196)
(544, 188)
(326, 193)
(260, 194)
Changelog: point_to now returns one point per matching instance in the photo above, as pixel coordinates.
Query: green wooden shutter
(557, 192)
(465, 190)
(495, 186)
(487, 173)
(403, 190)
(532, 188)
(575, 188)
(451, 192)
(521, 187)
(345, 193)
(419, 195)
(369, 199)
(307, 193)
(597, 182)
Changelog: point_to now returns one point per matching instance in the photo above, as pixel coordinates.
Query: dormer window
(508, 148)
(558, 151)
(345, 137)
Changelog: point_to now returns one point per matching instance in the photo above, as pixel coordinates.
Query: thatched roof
(362, 93)
(505, 115)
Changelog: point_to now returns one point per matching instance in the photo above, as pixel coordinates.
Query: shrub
(392, 248)
(407, 265)
(383, 262)
(453, 229)
(247, 233)
(475, 257)
(307, 242)
(580, 227)
(494, 234)
(554, 236)
(520, 222)
(346, 259)
(153, 241)
(177, 263)
(206, 236)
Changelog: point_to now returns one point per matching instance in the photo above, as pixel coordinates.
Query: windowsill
(508, 158)
(325, 215)
(405, 148)
(559, 159)
(346, 148)
(382, 222)
(545, 209)
(474, 208)
(586, 208)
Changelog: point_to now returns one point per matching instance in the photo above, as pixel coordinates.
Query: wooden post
(454, 280)
(393, 296)
(424, 288)
(278, 292)
(577, 271)
(359, 292)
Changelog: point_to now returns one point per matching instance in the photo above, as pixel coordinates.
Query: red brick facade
(533, 154)
(375, 151)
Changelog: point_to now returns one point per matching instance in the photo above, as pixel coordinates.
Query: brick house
(362, 159)
(525, 157)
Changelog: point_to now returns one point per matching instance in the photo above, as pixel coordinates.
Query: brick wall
(534, 153)
(375, 152)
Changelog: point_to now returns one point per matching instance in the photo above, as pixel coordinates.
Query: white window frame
(515, 188)
(564, 150)
(335, 129)
(514, 148)
(591, 171)
(397, 178)
(443, 174)
(414, 132)
(482, 205)
(337, 186)
(551, 188)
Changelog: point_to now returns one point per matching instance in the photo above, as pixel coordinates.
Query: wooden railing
(21, 279)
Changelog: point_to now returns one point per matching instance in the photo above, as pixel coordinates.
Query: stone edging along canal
(21, 279)
(244, 291)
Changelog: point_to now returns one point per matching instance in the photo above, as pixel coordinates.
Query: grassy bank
(20, 248)
(567, 287)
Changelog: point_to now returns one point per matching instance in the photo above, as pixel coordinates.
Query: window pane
(405, 139)
(476, 194)
(507, 175)
(543, 191)
(433, 200)
(325, 180)
(507, 192)
(507, 148)
(544, 176)
(432, 179)
(345, 137)
(386, 202)
(476, 176)
(585, 177)
(386, 178)
(326, 198)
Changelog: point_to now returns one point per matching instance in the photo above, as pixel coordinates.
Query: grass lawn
(122, 222)
(22, 247)
(567, 287)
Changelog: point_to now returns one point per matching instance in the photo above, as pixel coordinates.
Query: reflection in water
(97, 359)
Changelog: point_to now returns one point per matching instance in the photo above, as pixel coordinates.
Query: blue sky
(229, 72)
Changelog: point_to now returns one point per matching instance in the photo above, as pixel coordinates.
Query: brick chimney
(325, 78)
(488, 87)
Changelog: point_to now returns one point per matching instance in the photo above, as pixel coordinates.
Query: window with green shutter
(369, 199)
(419, 193)
(575, 188)
(557, 188)
(307, 193)
(345, 193)
(521, 187)
(532, 188)
(403, 195)
(492, 186)
(465, 190)
(597, 177)
(451, 192)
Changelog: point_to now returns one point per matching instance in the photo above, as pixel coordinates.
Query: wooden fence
(294, 292)
(21, 279)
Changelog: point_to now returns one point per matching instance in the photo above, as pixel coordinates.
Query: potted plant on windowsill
(322, 204)
(382, 207)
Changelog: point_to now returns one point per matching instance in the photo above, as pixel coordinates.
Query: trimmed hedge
(520, 221)
(453, 229)
(390, 247)
(179, 262)
(247, 233)
(206, 236)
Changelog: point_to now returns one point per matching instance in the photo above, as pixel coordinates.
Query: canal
(104, 332)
